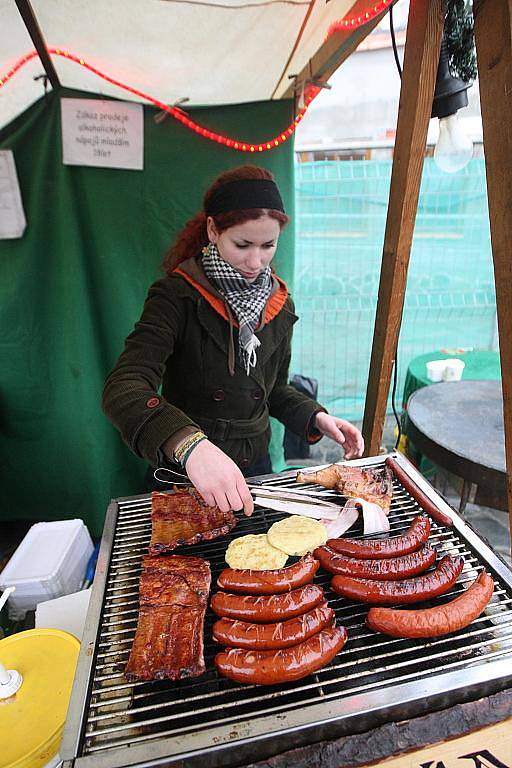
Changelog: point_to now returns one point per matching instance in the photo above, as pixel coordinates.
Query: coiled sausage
(273, 667)
(417, 494)
(392, 568)
(267, 608)
(280, 634)
(416, 535)
(250, 582)
(432, 622)
(423, 587)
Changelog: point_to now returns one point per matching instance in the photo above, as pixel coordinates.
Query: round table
(459, 426)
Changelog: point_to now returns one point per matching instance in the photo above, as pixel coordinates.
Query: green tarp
(72, 287)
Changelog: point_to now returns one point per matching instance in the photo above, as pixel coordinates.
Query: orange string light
(177, 113)
(353, 22)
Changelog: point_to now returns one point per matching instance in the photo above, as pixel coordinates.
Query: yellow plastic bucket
(32, 721)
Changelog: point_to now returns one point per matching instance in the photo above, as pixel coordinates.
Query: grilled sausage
(410, 486)
(273, 667)
(390, 569)
(432, 622)
(423, 587)
(266, 608)
(410, 541)
(249, 582)
(281, 634)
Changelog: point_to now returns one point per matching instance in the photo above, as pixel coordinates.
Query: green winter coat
(183, 346)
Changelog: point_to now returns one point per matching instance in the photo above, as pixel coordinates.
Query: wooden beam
(295, 46)
(493, 35)
(335, 50)
(421, 58)
(34, 30)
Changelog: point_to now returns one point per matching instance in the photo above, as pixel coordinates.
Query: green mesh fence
(340, 221)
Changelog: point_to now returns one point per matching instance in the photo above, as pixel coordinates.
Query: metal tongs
(263, 493)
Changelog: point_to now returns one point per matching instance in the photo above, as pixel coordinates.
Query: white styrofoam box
(50, 562)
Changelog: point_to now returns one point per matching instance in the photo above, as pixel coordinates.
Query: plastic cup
(435, 370)
(453, 369)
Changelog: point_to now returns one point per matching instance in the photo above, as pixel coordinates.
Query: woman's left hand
(342, 432)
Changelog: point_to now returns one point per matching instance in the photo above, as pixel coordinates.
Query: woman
(215, 334)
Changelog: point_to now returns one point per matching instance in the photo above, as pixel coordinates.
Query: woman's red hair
(193, 237)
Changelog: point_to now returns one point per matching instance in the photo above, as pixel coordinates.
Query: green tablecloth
(479, 364)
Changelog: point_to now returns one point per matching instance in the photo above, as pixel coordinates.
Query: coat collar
(270, 333)
(192, 271)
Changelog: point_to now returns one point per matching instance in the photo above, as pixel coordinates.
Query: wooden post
(493, 34)
(421, 58)
(34, 30)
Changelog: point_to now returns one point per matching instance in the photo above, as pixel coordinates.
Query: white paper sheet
(104, 134)
(12, 216)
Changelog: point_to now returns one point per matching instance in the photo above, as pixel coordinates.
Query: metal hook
(182, 479)
(44, 77)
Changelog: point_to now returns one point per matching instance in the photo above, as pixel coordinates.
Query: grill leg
(467, 488)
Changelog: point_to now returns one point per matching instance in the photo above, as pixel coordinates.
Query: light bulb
(453, 149)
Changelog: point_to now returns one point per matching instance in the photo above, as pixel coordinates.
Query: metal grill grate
(118, 713)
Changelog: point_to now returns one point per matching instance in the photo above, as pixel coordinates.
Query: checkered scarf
(246, 300)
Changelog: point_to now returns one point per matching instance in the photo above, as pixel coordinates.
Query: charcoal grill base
(392, 739)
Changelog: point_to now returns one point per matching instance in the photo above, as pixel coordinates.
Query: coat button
(219, 395)
(256, 394)
(153, 402)
(243, 463)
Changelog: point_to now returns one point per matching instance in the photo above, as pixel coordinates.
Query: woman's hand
(342, 432)
(218, 479)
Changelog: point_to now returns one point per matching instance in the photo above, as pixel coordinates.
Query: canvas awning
(210, 52)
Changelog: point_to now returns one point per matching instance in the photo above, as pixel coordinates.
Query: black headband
(243, 194)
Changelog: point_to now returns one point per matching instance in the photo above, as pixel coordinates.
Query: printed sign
(105, 134)
(12, 217)
(489, 747)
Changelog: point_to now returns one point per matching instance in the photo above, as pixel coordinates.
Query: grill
(210, 721)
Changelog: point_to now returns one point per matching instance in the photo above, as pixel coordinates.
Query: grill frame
(236, 743)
